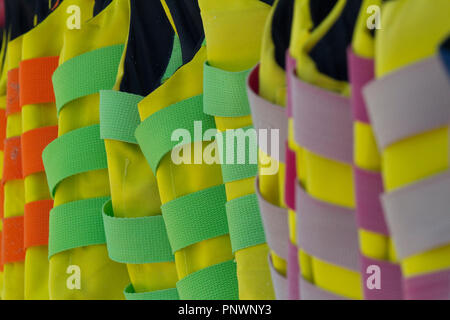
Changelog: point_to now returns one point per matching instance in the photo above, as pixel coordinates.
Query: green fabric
(75, 152)
(176, 59)
(166, 294)
(154, 134)
(244, 222)
(76, 224)
(119, 115)
(225, 92)
(235, 170)
(217, 282)
(86, 74)
(196, 217)
(136, 240)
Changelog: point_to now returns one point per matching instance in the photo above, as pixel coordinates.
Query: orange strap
(12, 245)
(36, 223)
(2, 128)
(12, 92)
(33, 143)
(35, 78)
(12, 165)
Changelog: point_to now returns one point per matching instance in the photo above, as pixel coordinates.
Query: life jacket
(319, 94)
(233, 33)
(408, 107)
(76, 163)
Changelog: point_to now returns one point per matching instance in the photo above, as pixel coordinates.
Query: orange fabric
(36, 223)
(33, 143)
(35, 80)
(12, 92)
(2, 128)
(12, 244)
(12, 165)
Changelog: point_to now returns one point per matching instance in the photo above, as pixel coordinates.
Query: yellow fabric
(324, 179)
(174, 180)
(230, 26)
(13, 283)
(100, 278)
(37, 43)
(422, 29)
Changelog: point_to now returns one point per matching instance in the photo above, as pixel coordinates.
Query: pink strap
(279, 282)
(322, 120)
(433, 286)
(369, 212)
(390, 280)
(293, 272)
(312, 292)
(290, 178)
(361, 72)
(267, 115)
(327, 231)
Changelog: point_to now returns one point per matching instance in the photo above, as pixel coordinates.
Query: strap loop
(166, 294)
(224, 92)
(119, 115)
(136, 240)
(70, 80)
(35, 77)
(36, 218)
(196, 217)
(244, 222)
(12, 244)
(73, 153)
(217, 282)
(12, 167)
(154, 134)
(76, 224)
(33, 144)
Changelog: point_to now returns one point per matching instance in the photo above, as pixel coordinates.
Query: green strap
(119, 115)
(228, 141)
(136, 240)
(176, 59)
(166, 294)
(224, 92)
(86, 74)
(218, 282)
(154, 134)
(76, 224)
(75, 152)
(244, 222)
(196, 217)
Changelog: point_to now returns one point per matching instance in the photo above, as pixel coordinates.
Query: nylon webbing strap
(268, 118)
(196, 217)
(323, 121)
(238, 153)
(155, 133)
(119, 115)
(244, 222)
(280, 282)
(423, 108)
(275, 221)
(176, 59)
(166, 294)
(418, 215)
(136, 240)
(217, 282)
(86, 74)
(327, 231)
(309, 291)
(429, 286)
(36, 217)
(75, 152)
(224, 92)
(76, 224)
(12, 244)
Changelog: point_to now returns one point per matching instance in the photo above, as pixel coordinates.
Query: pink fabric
(361, 72)
(434, 286)
(293, 272)
(390, 280)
